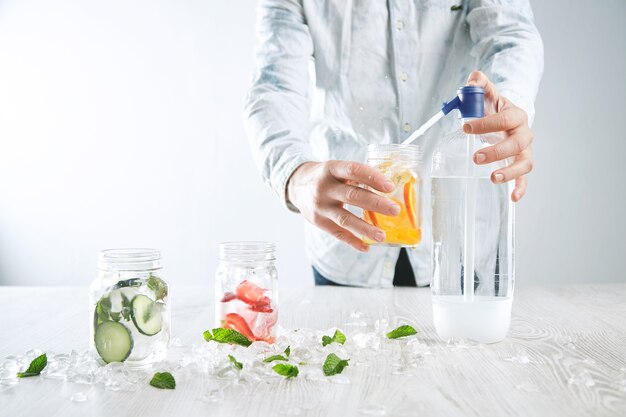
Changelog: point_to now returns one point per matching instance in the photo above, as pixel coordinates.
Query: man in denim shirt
(334, 75)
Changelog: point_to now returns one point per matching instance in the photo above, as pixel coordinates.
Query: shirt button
(399, 25)
(404, 76)
(407, 127)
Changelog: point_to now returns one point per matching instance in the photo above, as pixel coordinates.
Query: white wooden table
(565, 355)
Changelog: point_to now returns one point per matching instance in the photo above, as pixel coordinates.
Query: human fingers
(340, 233)
(479, 79)
(363, 174)
(509, 118)
(519, 168)
(361, 197)
(520, 188)
(514, 145)
(353, 224)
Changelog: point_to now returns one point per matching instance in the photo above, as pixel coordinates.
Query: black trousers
(403, 276)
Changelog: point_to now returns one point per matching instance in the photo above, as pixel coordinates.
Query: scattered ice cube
(176, 342)
(520, 355)
(582, 378)
(357, 314)
(291, 411)
(528, 387)
(462, 344)
(78, 397)
(373, 410)
(32, 354)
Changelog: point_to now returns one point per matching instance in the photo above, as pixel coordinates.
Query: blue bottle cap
(470, 101)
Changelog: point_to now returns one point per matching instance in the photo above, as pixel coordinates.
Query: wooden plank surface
(565, 355)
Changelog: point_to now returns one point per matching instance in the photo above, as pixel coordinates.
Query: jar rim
(404, 151)
(246, 250)
(133, 259)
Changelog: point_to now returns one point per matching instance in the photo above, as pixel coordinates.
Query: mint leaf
(275, 358)
(401, 331)
(288, 351)
(35, 367)
(286, 370)
(163, 380)
(103, 309)
(334, 365)
(338, 337)
(126, 308)
(230, 336)
(237, 365)
(456, 8)
(157, 285)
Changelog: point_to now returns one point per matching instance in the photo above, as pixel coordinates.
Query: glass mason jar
(246, 289)
(129, 308)
(401, 164)
(473, 242)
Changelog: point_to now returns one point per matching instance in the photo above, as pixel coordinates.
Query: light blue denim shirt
(333, 76)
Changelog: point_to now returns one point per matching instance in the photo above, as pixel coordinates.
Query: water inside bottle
(485, 317)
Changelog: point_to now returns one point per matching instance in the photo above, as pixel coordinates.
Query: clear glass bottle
(246, 289)
(129, 313)
(473, 231)
(401, 164)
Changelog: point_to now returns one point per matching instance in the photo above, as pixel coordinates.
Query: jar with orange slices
(401, 164)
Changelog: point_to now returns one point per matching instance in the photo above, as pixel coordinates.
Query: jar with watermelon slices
(401, 164)
(246, 289)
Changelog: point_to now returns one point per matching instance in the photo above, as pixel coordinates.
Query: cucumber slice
(146, 315)
(113, 341)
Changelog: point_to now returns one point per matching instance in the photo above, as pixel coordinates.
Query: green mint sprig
(286, 370)
(275, 358)
(338, 337)
(334, 365)
(284, 357)
(456, 7)
(157, 285)
(237, 365)
(402, 331)
(163, 380)
(230, 336)
(35, 367)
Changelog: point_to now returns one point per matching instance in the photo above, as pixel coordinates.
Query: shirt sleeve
(277, 109)
(509, 48)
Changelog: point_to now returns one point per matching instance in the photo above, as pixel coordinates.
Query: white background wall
(120, 125)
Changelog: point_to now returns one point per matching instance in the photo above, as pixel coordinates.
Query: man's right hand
(320, 190)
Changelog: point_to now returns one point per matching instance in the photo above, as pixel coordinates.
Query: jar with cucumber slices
(130, 314)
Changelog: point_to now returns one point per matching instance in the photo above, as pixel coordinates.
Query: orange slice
(409, 201)
(371, 215)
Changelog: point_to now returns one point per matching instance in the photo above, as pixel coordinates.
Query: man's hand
(320, 190)
(503, 116)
